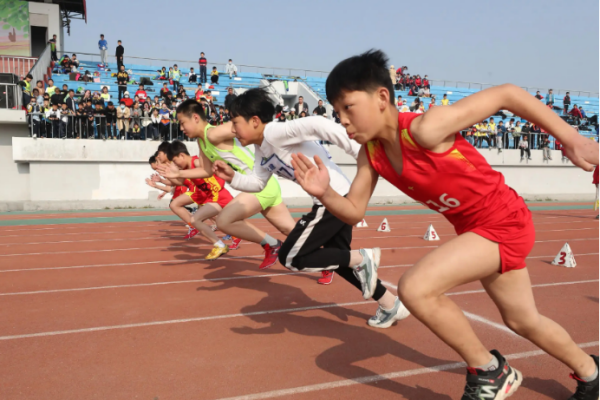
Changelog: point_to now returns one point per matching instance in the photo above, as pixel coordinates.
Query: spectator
(141, 94)
(320, 109)
(516, 132)
(301, 106)
(538, 95)
(492, 132)
(432, 103)
(229, 98)
(576, 114)
(202, 61)
(426, 83)
(122, 79)
(165, 121)
(56, 98)
(164, 91)
(302, 115)
(500, 135)
(127, 100)
(74, 61)
(414, 90)
(545, 146)
(282, 118)
(404, 107)
(175, 76)
(65, 92)
(50, 89)
(105, 95)
(110, 114)
(103, 45)
(123, 114)
(192, 76)
(53, 116)
(292, 115)
(37, 96)
(418, 81)
(136, 114)
(231, 69)
(52, 43)
(99, 105)
(147, 119)
(550, 97)
(445, 100)
(33, 113)
(39, 85)
(566, 102)
(399, 102)
(524, 146)
(162, 74)
(426, 92)
(26, 88)
(226, 116)
(71, 103)
(88, 114)
(154, 126)
(120, 51)
(214, 76)
(393, 76)
(199, 93)
(582, 111)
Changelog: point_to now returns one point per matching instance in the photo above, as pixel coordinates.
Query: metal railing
(10, 96)
(19, 66)
(47, 125)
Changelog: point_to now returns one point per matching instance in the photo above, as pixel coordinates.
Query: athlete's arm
(203, 169)
(219, 134)
(315, 180)
(155, 185)
(439, 125)
(250, 183)
(311, 129)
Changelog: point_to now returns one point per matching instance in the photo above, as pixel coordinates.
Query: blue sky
(535, 43)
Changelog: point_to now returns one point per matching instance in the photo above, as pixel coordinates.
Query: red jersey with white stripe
(458, 183)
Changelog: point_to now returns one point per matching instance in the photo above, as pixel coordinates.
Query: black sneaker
(492, 385)
(586, 390)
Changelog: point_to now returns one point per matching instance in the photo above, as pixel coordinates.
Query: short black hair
(152, 160)
(253, 102)
(175, 149)
(365, 72)
(29, 76)
(164, 147)
(190, 107)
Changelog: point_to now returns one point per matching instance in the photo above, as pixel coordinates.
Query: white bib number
(275, 165)
(448, 203)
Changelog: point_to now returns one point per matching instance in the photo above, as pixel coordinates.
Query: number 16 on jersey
(448, 203)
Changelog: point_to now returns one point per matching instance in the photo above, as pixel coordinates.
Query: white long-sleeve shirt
(281, 140)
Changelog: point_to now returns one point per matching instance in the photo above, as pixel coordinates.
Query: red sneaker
(326, 277)
(235, 243)
(271, 255)
(191, 234)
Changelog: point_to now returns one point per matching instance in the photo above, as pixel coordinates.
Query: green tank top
(239, 158)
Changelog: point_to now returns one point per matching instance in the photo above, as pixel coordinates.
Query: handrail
(40, 68)
(10, 96)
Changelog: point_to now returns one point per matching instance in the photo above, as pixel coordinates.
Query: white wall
(51, 173)
(48, 15)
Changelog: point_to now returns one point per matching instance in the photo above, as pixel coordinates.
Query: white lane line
(485, 321)
(228, 316)
(378, 378)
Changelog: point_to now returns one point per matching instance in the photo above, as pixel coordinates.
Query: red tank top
(210, 186)
(458, 183)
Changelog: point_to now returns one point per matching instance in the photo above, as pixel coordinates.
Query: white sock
(270, 240)
(220, 244)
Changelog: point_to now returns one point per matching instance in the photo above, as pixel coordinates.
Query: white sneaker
(385, 318)
(122, 137)
(366, 271)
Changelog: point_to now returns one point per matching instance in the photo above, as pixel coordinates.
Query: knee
(172, 206)
(525, 325)
(223, 222)
(409, 291)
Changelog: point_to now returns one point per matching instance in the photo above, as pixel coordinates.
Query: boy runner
(319, 241)
(426, 157)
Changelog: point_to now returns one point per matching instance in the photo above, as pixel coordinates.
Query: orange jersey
(208, 190)
(458, 183)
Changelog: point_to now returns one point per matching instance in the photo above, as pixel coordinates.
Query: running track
(115, 305)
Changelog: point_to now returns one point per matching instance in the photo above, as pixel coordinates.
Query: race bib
(276, 166)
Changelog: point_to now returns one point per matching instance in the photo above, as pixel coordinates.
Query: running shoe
(271, 255)
(235, 243)
(326, 277)
(492, 385)
(385, 318)
(217, 252)
(586, 390)
(366, 271)
(227, 237)
(193, 232)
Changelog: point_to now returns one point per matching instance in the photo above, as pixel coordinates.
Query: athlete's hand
(150, 183)
(313, 178)
(582, 152)
(169, 171)
(160, 196)
(155, 178)
(223, 171)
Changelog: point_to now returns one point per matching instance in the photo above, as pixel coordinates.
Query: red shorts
(595, 179)
(179, 190)
(515, 235)
(200, 197)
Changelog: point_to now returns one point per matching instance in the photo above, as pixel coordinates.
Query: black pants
(214, 79)
(122, 90)
(119, 62)
(203, 74)
(516, 142)
(164, 131)
(320, 241)
(481, 139)
(525, 151)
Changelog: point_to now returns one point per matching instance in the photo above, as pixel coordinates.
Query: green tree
(14, 14)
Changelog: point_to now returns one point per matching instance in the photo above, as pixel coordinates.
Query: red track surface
(130, 310)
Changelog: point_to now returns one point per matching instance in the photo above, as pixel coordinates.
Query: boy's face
(361, 113)
(154, 165)
(247, 132)
(190, 126)
(161, 157)
(180, 160)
